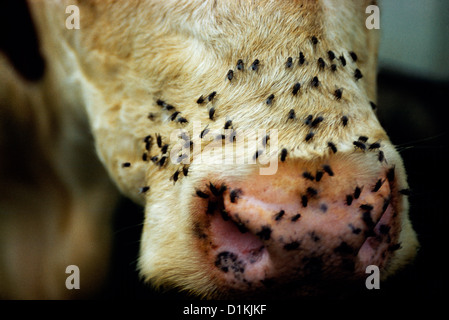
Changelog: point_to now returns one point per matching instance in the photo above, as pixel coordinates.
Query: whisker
(116, 232)
(421, 140)
(420, 147)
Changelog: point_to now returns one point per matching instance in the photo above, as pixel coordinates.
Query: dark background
(413, 111)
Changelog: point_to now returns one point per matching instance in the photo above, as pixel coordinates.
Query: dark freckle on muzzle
(292, 246)
(265, 233)
(228, 261)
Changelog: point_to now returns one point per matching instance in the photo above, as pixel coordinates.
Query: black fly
(240, 65)
(201, 194)
(359, 145)
(358, 74)
(255, 65)
(317, 121)
(204, 132)
(332, 146)
(328, 170)
(228, 124)
(175, 176)
(338, 93)
(211, 96)
(174, 115)
(296, 88)
(357, 192)
(211, 113)
(200, 100)
(301, 59)
(230, 75)
(308, 176)
(291, 114)
(309, 136)
(377, 185)
(363, 139)
(235, 194)
(283, 154)
(375, 145)
(321, 63)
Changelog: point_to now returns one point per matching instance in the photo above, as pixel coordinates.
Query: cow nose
(312, 219)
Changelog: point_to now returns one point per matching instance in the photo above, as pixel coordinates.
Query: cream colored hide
(133, 74)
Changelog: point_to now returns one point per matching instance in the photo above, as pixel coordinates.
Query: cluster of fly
(175, 176)
(312, 192)
(310, 121)
(175, 116)
(362, 144)
(209, 97)
(213, 193)
(159, 161)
